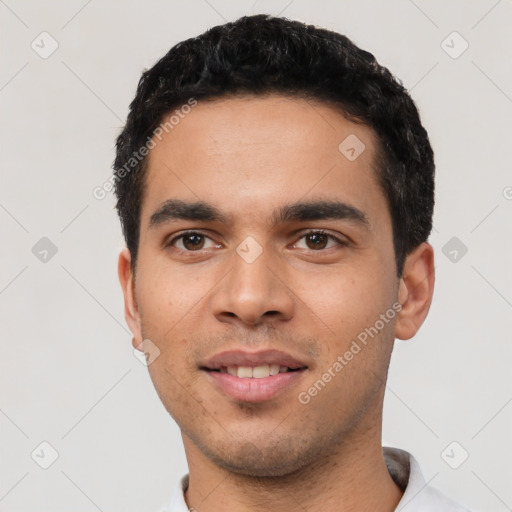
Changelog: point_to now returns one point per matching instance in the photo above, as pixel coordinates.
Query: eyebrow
(175, 209)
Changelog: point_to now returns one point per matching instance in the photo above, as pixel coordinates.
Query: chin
(274, 460)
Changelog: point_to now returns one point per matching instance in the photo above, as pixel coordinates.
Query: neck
(352, 476)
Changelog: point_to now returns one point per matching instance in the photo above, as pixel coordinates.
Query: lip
(251, 389)
(245, 358)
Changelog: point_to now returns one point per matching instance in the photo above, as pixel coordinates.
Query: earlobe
(131, 312)
(415, 291)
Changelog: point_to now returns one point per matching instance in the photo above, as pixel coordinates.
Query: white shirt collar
(403, 468)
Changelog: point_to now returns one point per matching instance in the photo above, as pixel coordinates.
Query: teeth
(258, 372)
(244, 371)
(274, 369)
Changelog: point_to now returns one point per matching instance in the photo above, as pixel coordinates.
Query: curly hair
(260, 55)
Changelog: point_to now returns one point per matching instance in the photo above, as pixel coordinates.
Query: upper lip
(244, 358)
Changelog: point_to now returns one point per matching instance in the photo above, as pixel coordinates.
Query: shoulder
(418, 495)
(177, 502)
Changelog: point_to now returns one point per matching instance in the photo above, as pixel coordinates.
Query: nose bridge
(252, 290)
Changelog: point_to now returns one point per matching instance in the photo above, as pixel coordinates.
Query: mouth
(257, 372)
(254, 377)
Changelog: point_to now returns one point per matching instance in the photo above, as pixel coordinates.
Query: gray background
(68, 373)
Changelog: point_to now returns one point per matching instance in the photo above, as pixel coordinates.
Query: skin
(248, 156)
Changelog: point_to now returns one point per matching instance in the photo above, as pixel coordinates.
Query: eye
(319, 240)
(191, 241)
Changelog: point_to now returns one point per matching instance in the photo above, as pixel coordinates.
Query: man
(276, 188)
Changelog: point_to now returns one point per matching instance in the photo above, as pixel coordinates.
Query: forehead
(248, 155)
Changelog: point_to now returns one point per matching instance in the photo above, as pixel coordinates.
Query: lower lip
(254, 390)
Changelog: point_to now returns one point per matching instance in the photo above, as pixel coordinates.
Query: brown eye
(318, 240)
(191, 241)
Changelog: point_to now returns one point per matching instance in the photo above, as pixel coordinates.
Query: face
(259, 234)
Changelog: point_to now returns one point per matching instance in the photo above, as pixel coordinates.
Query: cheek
(174, 386)
(356, 341)
(168, 296)
(344, 301)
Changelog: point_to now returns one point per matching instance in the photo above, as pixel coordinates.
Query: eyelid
(171, 240)
(342, 241)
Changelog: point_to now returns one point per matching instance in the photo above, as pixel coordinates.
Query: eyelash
(341, 243)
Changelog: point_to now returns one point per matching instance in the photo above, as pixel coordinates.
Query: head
(275, 189)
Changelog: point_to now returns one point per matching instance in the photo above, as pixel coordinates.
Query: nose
(252, 293)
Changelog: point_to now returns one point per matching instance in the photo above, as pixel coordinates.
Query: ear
(415, 292)
(131, 311)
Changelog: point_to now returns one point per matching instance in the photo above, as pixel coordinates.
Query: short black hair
(261, 55)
